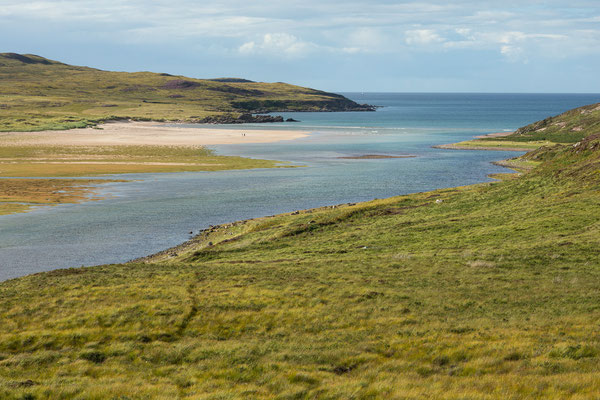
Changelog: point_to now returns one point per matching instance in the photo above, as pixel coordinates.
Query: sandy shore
(147, 133)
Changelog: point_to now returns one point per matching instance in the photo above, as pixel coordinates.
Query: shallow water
(159, 210)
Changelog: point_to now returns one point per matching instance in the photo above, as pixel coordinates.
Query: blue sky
(377, 45)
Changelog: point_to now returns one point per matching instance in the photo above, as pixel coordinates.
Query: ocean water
(157, 211)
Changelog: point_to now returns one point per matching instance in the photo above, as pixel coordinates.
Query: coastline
(203, 239)
(149, 134)
(494, 145)
(157, 130)
(465, 146)
(49, 158)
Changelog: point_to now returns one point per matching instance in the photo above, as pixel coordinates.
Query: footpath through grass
(481, 292)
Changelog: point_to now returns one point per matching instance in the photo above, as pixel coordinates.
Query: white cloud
(422, 37)
(277, 44)
(513, 53)
(557, 30)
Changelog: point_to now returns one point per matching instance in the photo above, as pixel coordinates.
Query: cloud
(384, 32)
(513, 53)
(277, 44)
(422, 37)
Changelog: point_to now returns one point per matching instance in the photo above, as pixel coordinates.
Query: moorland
(487, 291)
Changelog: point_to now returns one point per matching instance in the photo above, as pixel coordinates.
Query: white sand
(147, 133)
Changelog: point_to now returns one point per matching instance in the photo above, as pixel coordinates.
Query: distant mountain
(37, 93)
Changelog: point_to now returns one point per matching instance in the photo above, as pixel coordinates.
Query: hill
(568, 127)
(37, 94)
(483, 292)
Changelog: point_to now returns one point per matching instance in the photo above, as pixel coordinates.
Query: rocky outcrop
(332, 104)
(242, 119)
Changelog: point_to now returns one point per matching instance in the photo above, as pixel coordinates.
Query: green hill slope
(37, 93)
(568, 127)
(481, 292)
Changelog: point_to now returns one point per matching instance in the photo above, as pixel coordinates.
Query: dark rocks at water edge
(242, 119)
(331, 102)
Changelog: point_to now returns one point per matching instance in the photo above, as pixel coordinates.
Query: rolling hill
(487, 291)
(38, 94)
(568, 127)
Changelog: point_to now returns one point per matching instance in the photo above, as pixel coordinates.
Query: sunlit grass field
(481, 292)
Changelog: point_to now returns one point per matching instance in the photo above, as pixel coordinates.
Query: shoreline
(50, 158)
(202, 237)
(492, 145)
(199, 238)
(458, 146)
(148, 134)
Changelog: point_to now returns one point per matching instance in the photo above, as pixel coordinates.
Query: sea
(153, 212)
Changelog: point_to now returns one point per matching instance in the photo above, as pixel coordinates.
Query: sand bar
(147, 133)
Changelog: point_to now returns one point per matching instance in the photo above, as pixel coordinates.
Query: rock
(291, 120)
(242, 119)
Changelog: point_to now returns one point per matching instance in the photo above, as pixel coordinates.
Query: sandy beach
(147, 133)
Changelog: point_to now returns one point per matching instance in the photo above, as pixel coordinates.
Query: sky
(377, 45)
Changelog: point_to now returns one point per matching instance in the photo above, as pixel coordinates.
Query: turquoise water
(159, 210)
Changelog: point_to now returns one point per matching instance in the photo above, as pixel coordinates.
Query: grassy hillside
(37, 94)
(568, 127)
(481, 292)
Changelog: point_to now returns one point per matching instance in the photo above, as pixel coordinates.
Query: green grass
(568, 127)
(40, 94)
(67, 161)
(495, 144)
(481, 292)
